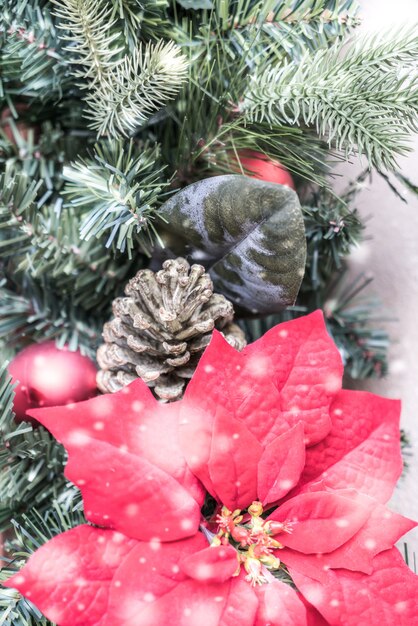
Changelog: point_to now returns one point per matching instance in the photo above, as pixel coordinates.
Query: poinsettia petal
(115, 440)
(305, 367)
(381, 531)
(313, 617)
(288, 376)
(355, 415)
(69, 578)
(214, 564)
(154, 590)
(279, 605)
(372, 468)
(127, 493)
(233, 461)
(281, 464)
(387, 596)
(321, 521)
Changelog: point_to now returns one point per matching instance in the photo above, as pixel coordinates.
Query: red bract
(240, 432)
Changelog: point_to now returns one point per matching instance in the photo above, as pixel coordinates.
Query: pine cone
(161, 329)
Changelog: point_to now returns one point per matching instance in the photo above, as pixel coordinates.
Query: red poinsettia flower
(299, 472)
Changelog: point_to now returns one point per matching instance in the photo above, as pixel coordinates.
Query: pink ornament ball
(48, 376)
(261, 167)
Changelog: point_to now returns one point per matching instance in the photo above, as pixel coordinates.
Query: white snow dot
(175, 569)
(155, 543)
(342, 523)
(149, 597)
(370, 544)
(98, 425)
(235, 436)
(286, 484)
(332, 383)
(209, 369)
(20, 579)
(131, 510)
(218, 598)
(80, 606)
(334, 602)
(80, 482)
(79, 437)
(338, 412)
(137, 406)
(400, 607)
(142, 560)
(314, 594)
(101, 539)
(118, 583)
(258, 365)
(186, 524)
(283, 333)
(123, 448)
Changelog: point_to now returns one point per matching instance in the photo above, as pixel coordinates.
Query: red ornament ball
(48, 376)
(260, 166)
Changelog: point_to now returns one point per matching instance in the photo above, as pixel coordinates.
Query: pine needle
(361, 98)
(124, 90)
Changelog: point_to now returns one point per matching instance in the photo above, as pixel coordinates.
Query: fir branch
(200, 137)
(31, 310)
(145, 19)
(410, 558)
(123, 91)
(332, 230)
(17, 211)
(81, 270)
(373, 112)
(354, 321)
(300, 151)
(31, 461)
(270, 30)
(31, 531)
(136, 88)
(91, 37)
(119, 185)
(31, 56)
(42, 242)
(6, 395)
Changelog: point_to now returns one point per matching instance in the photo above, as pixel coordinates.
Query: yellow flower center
(254, 539)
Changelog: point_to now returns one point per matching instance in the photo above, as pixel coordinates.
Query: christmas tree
(167, 170)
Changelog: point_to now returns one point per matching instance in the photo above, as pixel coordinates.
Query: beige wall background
(391, 255)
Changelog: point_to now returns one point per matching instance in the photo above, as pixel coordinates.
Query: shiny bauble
(260, 166)
(48, 376)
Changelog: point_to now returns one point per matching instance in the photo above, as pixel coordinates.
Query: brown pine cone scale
(161, 328)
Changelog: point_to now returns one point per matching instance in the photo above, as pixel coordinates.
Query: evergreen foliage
(123, 91)
(357, 97)
(120, 186)
(107, 107)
